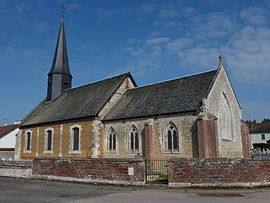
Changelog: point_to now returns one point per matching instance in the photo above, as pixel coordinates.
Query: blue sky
(155, 40)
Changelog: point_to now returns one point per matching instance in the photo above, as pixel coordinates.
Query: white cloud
(146, 9)
(189, 12)
(200, 58)
(248, 55)
(255, 15)
(133, 40)
(245, 48)
(217, 24)
(167, 13)
(178, 44)
(158, 40)
(155, 34)
(167, 23)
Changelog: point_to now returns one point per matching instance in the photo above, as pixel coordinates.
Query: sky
(155, 40)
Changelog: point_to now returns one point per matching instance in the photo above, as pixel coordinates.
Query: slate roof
(60, 59)
(7, 129)
(83, 101)
(260, 128)
(174, 96)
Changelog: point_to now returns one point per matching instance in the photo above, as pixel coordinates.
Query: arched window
(76, 138)
(28, 141)
(225, 119)
(49, 140)
(171, 138)
(111, 140)
(133, 139)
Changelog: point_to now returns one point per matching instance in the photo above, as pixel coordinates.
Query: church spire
(60, 59)
(59, 77)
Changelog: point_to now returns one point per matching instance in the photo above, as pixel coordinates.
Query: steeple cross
(62, 6)
(220, 59)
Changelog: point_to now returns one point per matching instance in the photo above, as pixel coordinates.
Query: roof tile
(7, 129)
(174, 96)
(83, 101)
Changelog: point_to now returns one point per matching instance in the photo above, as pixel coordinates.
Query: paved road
(16, 190)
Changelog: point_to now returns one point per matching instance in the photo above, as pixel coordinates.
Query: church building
(189, 117)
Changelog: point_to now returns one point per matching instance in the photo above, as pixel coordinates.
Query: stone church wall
(222, 103)
(186, 126)
(61, 140)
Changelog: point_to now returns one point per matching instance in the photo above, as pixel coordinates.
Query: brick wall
(207, 138)
(245, 140)
(148, 142)
(219, 172)
(112, 171)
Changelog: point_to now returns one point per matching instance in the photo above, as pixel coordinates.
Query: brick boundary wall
(110, 171)
(19, 169)
(220, 172)
(207, 138)
(245, 140)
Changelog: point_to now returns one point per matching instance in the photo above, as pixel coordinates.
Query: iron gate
(156, 171)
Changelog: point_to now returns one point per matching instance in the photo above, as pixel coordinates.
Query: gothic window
(111, 140)
(171, 138)
(133, 140)
(76, 139)
(225, 119)
(28, 141)
(49, 140)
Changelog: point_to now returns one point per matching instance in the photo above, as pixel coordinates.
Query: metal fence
(156, 171)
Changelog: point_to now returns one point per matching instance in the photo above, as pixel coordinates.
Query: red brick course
(94, 169)
(245, 140)
(148, 141)
(212, 171)
(207, 138)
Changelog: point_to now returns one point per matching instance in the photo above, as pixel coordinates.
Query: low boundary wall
(200, 173)
(220, 172)
(110, 171)
(19, 169)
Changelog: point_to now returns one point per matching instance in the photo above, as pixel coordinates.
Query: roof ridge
(32, 111)
(7, 129)
(165, 81)
(128, 73)
(213, 81)
(8, 125)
